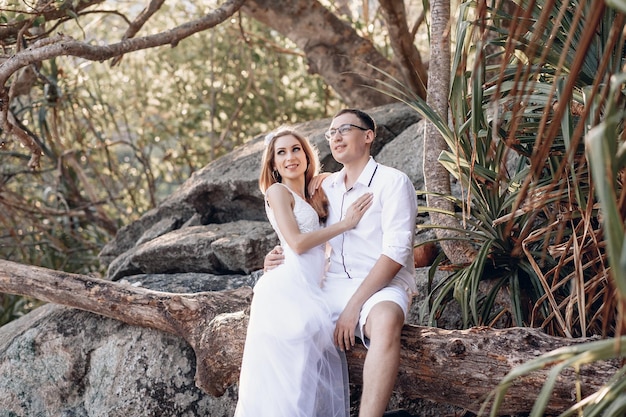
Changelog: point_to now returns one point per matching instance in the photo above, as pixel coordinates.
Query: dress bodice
(306, 216)
(307, 219)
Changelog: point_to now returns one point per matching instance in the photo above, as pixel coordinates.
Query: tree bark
(138, 23)
(456, 367)
(436, 177)
(349, 63)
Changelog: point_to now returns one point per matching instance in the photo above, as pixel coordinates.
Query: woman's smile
(289, 157)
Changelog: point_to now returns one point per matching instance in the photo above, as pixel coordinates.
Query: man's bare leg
(380, 370)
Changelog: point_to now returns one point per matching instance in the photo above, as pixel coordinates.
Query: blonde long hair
(269, 176)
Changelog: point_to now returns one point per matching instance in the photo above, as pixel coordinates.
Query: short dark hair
(364, 117)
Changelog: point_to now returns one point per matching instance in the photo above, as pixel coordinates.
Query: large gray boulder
(235, 247)
(62, 362)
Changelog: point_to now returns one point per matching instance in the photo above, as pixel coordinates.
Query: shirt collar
(365, 178)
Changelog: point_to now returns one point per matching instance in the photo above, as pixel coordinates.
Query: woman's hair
(269, 176)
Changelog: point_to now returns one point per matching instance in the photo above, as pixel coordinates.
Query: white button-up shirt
(386, 228)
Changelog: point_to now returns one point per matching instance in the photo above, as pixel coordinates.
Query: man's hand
(274, 258)
(345, 327)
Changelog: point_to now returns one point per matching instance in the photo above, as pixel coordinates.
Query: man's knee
(384, 320)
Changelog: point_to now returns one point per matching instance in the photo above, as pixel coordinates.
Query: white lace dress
(290, 366)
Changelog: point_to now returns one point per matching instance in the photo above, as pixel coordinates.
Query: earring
(276, 176)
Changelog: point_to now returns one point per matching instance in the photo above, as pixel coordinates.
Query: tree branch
(50, 11)
(61, 45)
(403, 45)
(138, 23)
(347, 62)
(457, 367)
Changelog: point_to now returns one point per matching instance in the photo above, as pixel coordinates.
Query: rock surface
(58, 361)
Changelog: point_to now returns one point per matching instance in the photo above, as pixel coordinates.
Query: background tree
(436, 177)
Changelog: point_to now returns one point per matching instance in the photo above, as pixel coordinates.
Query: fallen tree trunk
(456, 367)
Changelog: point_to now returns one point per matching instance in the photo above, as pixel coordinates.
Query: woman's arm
(281, 201)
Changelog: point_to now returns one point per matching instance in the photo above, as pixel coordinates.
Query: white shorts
(339, 290)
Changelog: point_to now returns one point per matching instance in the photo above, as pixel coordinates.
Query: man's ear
(369, 136)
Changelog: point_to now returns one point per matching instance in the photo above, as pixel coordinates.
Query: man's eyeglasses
(342, 130)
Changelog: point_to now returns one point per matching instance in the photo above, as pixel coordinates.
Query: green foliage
(118, 139)
(530, 183)
(605, 150)
(515, 147)
(521, 102)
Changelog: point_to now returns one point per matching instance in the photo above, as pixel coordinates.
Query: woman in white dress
(291, 367)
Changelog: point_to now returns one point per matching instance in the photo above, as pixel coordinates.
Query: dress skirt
(291, 367)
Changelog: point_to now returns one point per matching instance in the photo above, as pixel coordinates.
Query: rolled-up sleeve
(398, 221)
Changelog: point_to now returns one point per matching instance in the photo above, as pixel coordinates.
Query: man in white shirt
(371, 276)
